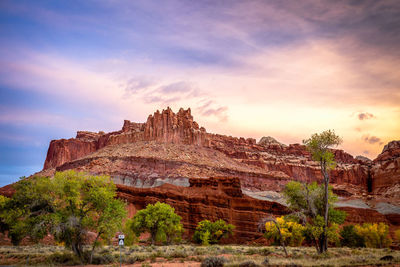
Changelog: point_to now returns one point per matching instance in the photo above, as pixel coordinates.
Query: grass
(235, 255)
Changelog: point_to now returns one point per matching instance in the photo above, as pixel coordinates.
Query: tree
(291, 232)
(208, 232)
(307, 204)
(319, 146)
(375, 235)
(160, 220)
(68, 206)
(350, 237)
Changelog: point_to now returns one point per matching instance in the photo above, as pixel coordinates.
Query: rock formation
(168, 157)
(385, 172)
(266, 165)
(222, 198)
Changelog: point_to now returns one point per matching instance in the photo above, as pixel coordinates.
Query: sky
(285, 69)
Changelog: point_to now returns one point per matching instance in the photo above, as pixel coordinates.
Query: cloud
(209, 108)
(137, 84)
(178, 87)
(365, 116)
(372, 140)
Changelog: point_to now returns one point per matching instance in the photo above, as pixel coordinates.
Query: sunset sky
(285, 69)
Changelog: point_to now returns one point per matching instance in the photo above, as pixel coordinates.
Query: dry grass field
(191, 255)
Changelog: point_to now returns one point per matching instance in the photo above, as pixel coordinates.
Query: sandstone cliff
(267, 165)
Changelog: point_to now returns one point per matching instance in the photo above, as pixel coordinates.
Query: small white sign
(121, 242)
(121, 236)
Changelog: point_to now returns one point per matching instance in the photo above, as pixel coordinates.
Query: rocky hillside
(170, 158)
(172, 147)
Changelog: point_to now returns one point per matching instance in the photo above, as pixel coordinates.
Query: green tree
(160, 220)
(208, 232)
(320, 146)
(350, 237)
(68, 206)
(307, 203)
(130, 236)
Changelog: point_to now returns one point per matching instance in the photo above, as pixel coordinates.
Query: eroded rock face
(222, 198)
(385, 172)
(212, 199)
(267, 165)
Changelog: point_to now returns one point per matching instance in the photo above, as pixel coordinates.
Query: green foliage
(307, 202)
(307, 199)
(68, 206)
(160, 220)
(130, 236)
(375, 235)
(319, 146)
(350, 237)
(208, 232)
(291, 231)
(314, 229)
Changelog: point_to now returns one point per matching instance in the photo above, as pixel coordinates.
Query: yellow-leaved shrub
(292, 232)
(375, 235)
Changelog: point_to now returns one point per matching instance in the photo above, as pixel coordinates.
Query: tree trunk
(93, 247)
(271, 219)
(153, 234)
(326, 204)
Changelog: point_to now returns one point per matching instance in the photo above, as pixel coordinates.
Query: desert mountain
(170, 156)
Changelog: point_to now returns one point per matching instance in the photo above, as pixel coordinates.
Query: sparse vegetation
(238, 255)
(213, 262)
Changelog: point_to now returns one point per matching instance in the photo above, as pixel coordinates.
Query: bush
(213, 262)
(292, 232)
(101, 259)
(375, 235)
(350, 237)
(208, 232)
(63, 258)
(397, 235)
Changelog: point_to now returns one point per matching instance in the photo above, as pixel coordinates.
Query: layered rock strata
(266, 165)
(222, 198)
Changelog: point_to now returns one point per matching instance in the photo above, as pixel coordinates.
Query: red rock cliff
(277, 162)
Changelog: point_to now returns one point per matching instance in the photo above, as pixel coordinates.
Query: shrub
(213, 262)
(292, 232)
(248, 264)
(208, 232)
(375, 235)
(63, 258)
(350, 237)
(102, 259)
(130, 236)
(397, 235)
